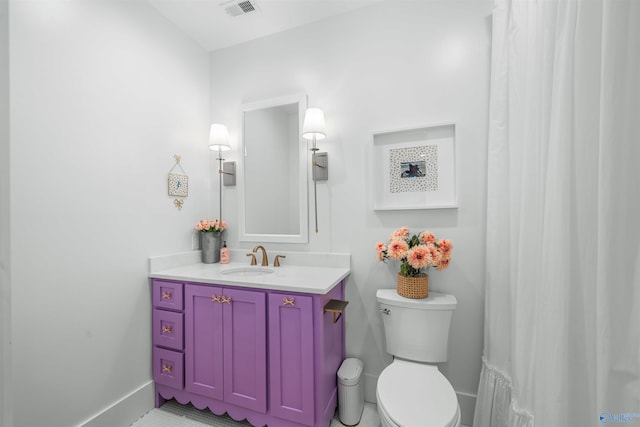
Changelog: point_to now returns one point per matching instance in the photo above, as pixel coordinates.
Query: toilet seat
(417, 395)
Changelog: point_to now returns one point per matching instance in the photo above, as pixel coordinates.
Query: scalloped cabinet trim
(267, 356)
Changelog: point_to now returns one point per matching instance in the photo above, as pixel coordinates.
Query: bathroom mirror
(273, 171)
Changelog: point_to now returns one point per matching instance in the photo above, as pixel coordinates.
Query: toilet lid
(414, 394)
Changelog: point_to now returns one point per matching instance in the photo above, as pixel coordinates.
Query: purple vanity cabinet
(291, 361)
(203, 341)
(267, 356)
(225, 345)
(245, 349)
(167, 330)
(306, 349)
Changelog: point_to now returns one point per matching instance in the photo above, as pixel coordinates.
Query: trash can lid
(350, 371)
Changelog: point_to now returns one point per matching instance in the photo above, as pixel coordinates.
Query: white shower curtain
(562, 331)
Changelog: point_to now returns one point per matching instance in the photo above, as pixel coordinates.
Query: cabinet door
(203, 341)
(291, 357)
(245, 348)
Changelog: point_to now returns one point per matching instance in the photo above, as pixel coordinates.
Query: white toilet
(411, 391)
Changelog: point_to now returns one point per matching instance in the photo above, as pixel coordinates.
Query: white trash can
(350, 391)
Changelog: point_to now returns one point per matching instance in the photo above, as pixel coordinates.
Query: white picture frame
(414, 168)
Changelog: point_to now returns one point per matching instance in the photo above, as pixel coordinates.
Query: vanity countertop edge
(288, 278)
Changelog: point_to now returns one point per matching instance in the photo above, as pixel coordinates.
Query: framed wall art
(414, 168)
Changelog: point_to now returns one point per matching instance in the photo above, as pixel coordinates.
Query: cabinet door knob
(289, 301)
(226, 299)
(166, 295)
(166, 368)
(215, 298)
(167, 329)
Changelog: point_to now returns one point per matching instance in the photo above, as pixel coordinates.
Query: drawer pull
(166, 295)
(166, 368)
(289, 301)
(226, 299)
(167, 329)
(215, 298)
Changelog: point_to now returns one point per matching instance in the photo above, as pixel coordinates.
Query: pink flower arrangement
(415, 253)
(211, 226)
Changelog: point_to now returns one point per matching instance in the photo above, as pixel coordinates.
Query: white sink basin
(247, 271)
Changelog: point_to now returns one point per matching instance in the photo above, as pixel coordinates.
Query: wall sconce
(313, 129)
(219, 140)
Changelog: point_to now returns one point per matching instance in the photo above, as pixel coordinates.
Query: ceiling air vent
(239, 7)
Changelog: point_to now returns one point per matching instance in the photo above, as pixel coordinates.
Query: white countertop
(289, 278)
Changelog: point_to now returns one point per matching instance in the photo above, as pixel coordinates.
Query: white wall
(393, 65)
(103, 94)
(5, 258)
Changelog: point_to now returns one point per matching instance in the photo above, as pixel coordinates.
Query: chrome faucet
(265, 258)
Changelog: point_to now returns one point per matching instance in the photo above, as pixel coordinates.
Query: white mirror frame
(303, 235)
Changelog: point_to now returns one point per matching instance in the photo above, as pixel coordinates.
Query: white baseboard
(370, 383)
(467, 404)
(466, 401)
(125, 411)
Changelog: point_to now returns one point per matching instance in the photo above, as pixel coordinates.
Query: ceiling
(210, 23)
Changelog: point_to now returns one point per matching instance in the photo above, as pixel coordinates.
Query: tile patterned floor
(173, 414)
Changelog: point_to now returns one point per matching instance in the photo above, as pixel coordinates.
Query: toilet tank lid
(435, 300)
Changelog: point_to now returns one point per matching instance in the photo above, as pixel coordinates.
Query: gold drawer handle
(166, 295)
(226, 299)
(166, 368)
(215, 298)
(167, 329)
(289, 301)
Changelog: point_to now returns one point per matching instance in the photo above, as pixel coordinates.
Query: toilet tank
(417, 329)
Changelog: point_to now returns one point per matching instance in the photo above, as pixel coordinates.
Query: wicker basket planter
(413, 287)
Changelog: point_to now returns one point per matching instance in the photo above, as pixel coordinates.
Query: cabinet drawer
(168, 329)
(167, 295)
(168, 367)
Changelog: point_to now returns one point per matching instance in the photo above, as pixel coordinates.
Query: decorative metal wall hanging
(178, 183)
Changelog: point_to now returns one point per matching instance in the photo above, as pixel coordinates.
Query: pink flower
(419, 257)
(426, 237)
(397, 249)
(381, 248)
(443, 264)
(445, 246)
(435, 255)
(210, 225)
(401, 233)
(416, 252)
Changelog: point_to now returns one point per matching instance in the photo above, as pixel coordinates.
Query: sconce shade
(313, 126)
(219, 138)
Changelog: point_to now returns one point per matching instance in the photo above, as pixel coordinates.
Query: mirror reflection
(274, 170)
